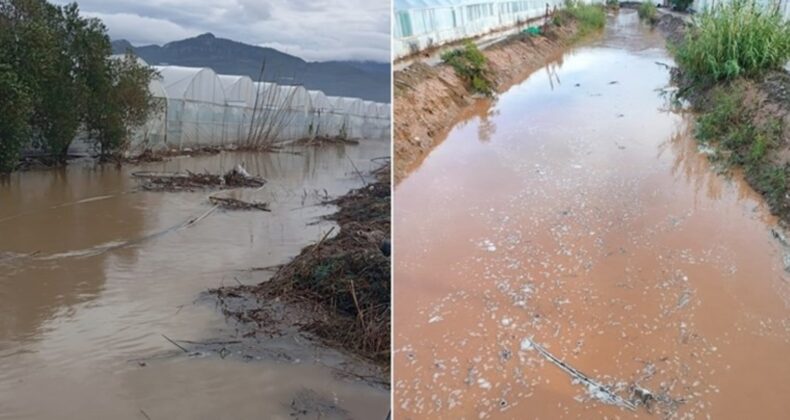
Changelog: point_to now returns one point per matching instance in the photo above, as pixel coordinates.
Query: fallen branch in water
(175, 344)
(595, 388)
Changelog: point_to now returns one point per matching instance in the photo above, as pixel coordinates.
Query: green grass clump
(647, 11)
(729, 125)
(734, 39)
(589, 16)
(470, 64)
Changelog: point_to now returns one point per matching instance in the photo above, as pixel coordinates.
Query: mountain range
(362, 79)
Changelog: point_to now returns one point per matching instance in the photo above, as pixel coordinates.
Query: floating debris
(190, 181)
(234, 204)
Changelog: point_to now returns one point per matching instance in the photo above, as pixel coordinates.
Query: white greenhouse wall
(197, 107)
(421, 24)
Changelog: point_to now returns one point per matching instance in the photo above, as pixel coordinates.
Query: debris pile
(228, 203)
(322, 140)
(190, 181)
(343, 281)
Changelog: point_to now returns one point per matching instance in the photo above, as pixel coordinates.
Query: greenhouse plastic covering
(421, 24)
(197, 107)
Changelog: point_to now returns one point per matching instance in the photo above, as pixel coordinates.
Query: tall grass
(734, 39)
(647, 11)
(589, 16)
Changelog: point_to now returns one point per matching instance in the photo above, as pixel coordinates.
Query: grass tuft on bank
(648, 12)
(589, 17)
(734, 39)
(741, 140)
(470, 63)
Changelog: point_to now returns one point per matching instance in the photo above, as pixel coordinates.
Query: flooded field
(568, 252)
(96, 275)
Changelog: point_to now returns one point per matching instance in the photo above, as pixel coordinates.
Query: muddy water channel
(568, 252)
(94, 272)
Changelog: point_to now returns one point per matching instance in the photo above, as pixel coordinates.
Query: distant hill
(361, 79)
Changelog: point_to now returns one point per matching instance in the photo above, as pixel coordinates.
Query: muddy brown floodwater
(93, 271)
(574, 217)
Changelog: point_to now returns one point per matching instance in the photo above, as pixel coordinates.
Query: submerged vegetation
(734, 39)
(470, 63)
(648, 12)
(57, 79)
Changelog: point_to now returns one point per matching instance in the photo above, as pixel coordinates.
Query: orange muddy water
(568, 252)
(93, 273)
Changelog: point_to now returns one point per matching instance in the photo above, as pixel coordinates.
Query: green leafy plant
(648, 12)
(734, 39)
(470, 63)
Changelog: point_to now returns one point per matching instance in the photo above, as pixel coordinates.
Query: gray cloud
(312, 29)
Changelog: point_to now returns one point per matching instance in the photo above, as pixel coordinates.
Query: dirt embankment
(761, 103)
(337, 289)
(428, 100)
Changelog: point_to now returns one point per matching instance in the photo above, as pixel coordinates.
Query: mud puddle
(97, 276)
(568, 252)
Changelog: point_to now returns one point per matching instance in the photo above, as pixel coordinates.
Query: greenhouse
(196, 107)
(321, 115)
(349, 116)
(421, 24)
(239, 90)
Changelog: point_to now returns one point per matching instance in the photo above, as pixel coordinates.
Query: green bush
(471, 64)
(647, 11)
(734, 39)
(613, 4)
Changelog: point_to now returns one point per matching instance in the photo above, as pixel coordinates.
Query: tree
(121, 103)
(63, 62)
(15, 110)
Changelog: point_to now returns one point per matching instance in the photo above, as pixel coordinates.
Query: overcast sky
(316, 30)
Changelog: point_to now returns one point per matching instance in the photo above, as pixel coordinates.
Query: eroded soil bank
(568, 252)
(103, 296)
(429, 99)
